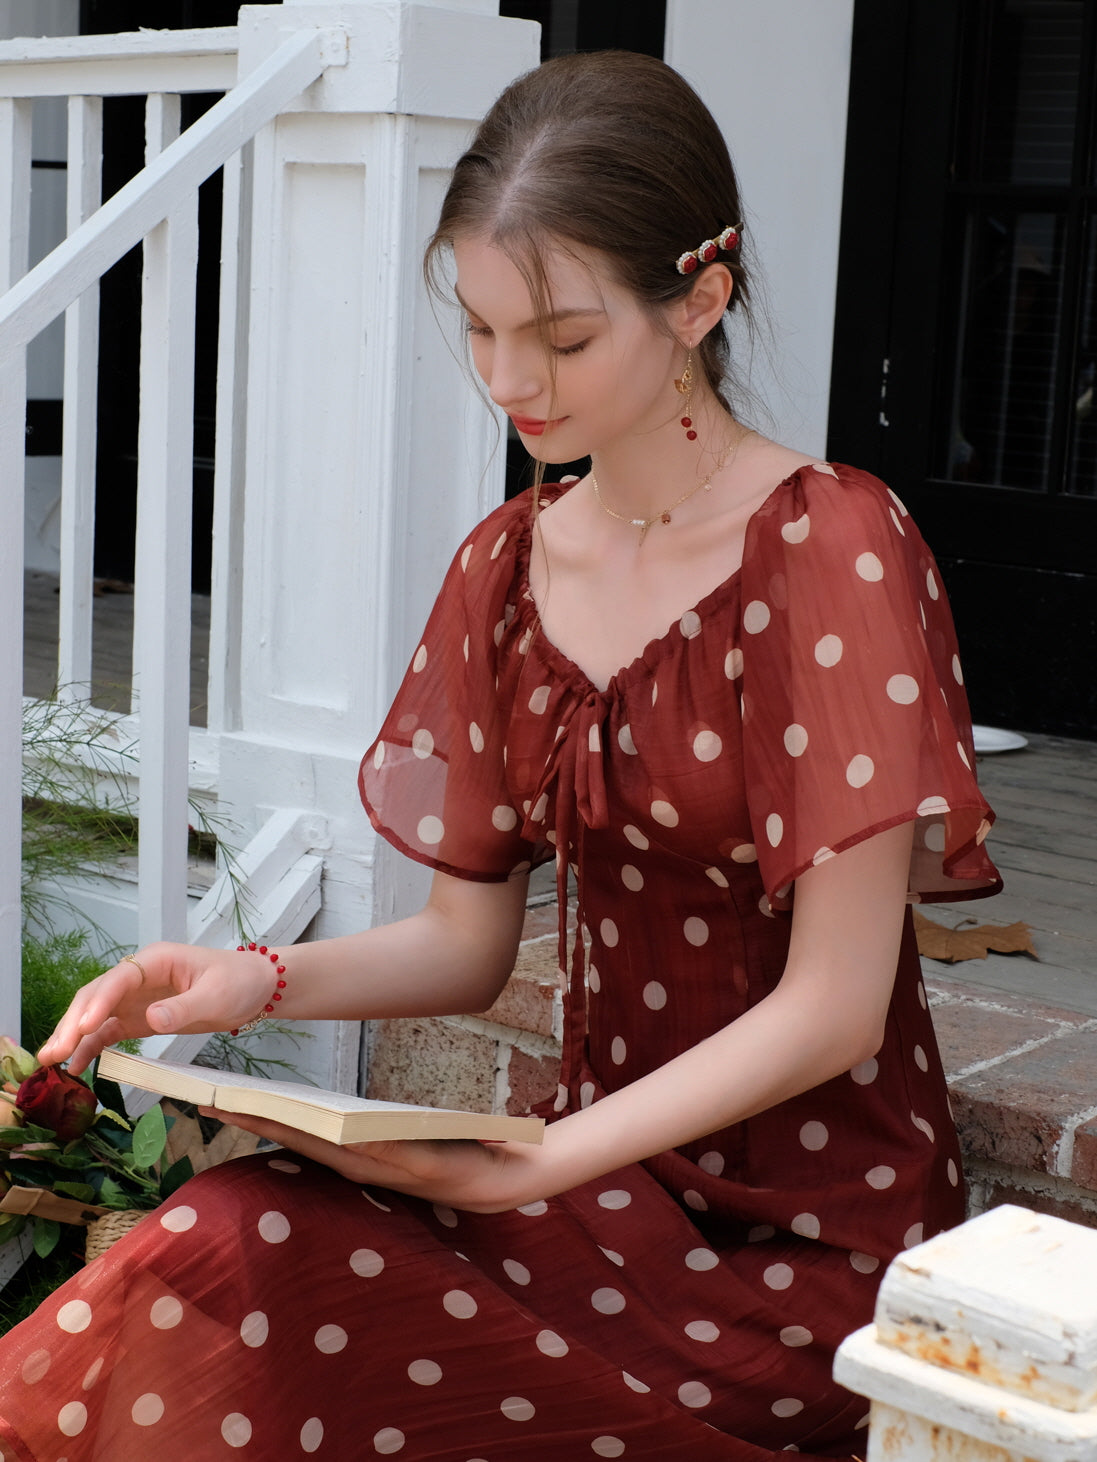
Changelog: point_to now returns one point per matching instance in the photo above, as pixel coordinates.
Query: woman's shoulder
(832, 503)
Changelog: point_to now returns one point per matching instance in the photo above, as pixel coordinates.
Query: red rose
(51, 1098)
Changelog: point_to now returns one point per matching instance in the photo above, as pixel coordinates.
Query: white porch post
(367, 452)
(984, 1346)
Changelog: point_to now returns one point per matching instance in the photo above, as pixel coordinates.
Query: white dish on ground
(989, 738)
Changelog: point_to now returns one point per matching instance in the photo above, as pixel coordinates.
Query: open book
(328, 1114)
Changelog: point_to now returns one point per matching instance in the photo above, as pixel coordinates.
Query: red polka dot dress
(688, 1306)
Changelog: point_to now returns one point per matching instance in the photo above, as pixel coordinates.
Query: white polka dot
(775, 828)
(635, 837)
(707, 746)
(957, 672)
(865, 1072)
(420, 659)
(755, 617)
(778, 1276)
(422, 744)
(931, 585)
(236, 1429)
(615, 1198)
(664, 813)
(744, 853)
(431, 830)
(608, 1447)
(625, 741)
(254, 1329)
(551, 1344)
(963, 754)
(953, 1173)
(796, 739)
(533, 1210)
(608, 1301)
(425, 1372)
(828, 651)
(538, 701)
(500, 631)
(923, 1127)
(497, 547)
(795, 1335)
(934, 837)
(378, 755)
(178, 1220)
(517, 1408)
(618, 1051)
(864, 1421)
(703, 1330)
(690, 624)
(376, 1202)
(147, 1409)
(632, 878)
(72, 1419)
(869, 568)
(586, 1094)
(594, 980)
(517, 1273)
(787, 1406)
(903, 690)
(765, 907)
(860, 770)
(655, 995)
(694, 1394)
(797, 530)
(330, 1339)
(35, 1366)
(806, 1225)
(608, 930)
(914, 1235)
(476, 737)
(717, 877)
(465, 553)
(504, 818)
(880, 1177)
(92, 1373)
(540, 807)
(633, 1384)
(388, 1440)
(922, 996)
(445, 1216)
(711, 1163)
(701, 1260)
(274, 1227)
(733, 664)
(696, 931)
(465, 648)
(921, 1060)
(929, 806)
(594, 738)
(864, 1263)
(459, 1304)
(895, 520)
(312, 1434)
(367, 1263)
(166, 1312)
(814, 1136)
(74, 1317)
(280, 1165)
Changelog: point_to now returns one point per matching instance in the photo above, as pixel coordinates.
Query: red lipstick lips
(531, 428)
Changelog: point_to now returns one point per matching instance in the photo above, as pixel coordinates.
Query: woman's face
(613, 366)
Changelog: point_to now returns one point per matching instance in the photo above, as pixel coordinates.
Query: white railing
(158, 206)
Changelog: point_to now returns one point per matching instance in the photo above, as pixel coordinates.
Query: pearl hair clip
(706, 252)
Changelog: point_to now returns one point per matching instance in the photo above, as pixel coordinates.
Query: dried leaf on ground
(185, 1140)
(970, 940)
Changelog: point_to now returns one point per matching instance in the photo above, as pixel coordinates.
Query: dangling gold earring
(684, 386)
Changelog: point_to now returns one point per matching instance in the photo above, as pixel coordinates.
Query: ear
(695, 314)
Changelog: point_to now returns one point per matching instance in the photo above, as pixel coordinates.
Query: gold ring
(133, 960)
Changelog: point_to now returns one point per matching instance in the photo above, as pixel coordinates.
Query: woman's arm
(826, 1015)
(454, 955)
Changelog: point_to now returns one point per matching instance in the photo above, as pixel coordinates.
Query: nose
(511, 379)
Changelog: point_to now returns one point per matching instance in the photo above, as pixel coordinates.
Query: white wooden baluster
(15, 121)
(162, 577)
(85, 171)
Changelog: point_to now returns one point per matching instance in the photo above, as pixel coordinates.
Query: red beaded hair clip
(706, 252)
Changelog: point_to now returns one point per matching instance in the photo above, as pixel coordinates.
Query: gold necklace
(663, 516)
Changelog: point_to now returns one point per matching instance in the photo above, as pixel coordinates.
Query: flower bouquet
(69, 1153)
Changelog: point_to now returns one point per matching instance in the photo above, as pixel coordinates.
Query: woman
(718, 680)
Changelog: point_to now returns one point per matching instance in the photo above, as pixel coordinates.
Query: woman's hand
(477, 1177)
(162, 988)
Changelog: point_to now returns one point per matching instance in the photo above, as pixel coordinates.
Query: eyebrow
(557, 317)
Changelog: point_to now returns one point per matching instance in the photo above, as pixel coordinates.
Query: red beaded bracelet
(268, 1009)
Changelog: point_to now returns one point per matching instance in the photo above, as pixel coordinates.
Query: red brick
(967, 1032)
(531, 1079)
(427, 1061)
(1084, 1168)
(526, 1003)
(997, 1193)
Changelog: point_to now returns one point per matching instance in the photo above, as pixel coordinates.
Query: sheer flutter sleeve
(433, 783)
(855, 717)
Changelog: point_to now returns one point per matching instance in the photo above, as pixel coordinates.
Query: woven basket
(104, 1231)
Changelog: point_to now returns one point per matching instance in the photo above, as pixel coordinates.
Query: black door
(966, 340)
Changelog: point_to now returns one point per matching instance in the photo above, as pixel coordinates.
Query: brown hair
(607, 151)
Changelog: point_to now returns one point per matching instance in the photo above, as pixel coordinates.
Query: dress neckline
(656, 649)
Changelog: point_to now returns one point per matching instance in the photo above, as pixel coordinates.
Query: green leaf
(180, 1172)
(82, 1192)
(114, 1117)
(46, 1236)
(112, 1194)
(109, 1093)
(149, 1137)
